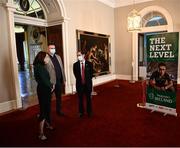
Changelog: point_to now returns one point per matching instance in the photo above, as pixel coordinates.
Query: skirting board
(123, 77)
(10, 105)
(7, 106)
(101, 80)
(96, 81)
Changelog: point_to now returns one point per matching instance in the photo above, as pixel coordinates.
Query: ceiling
(121, 3)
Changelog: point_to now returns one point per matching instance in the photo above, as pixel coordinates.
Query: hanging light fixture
(134, 20)
(134, 24)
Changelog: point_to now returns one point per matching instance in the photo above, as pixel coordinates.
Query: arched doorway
(54, 15)
(146, 29)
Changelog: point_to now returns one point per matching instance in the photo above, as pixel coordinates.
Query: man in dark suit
(83, 72)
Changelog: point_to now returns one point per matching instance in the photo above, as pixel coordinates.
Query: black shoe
(81, 115)
(60, 114)
(89, 114)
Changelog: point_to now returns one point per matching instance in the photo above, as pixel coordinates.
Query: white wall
(123, 39)
(92, 16)
(6, 87)
(87, 15)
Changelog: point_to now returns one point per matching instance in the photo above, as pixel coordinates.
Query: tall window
(30, 8)
(151, 19)
(154, 18)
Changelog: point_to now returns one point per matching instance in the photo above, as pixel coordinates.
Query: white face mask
(46, 59)
(80, 58)
(52, 51)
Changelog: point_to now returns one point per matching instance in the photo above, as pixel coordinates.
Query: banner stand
(145, 105)
(159, 93)
(161, 111)
(143, 94)
(93, 93)
(141, 105)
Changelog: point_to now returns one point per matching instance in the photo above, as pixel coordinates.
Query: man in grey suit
(57, 75)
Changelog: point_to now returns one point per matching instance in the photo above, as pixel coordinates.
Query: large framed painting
(97, 50)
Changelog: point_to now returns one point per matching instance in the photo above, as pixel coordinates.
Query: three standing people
(83, 72)
(49, 74)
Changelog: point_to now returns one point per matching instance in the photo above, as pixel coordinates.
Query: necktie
(83, 74)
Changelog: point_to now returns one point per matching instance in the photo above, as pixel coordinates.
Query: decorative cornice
(8, 5)
(110, 3)
(57, 22)
(29, 20)
(121, 3)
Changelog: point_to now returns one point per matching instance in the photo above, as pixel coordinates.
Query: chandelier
(134, 21)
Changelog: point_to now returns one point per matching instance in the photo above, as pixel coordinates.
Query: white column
(13, 53)
(135, 55)
(68, 85)
(133, 61)
(178, 76)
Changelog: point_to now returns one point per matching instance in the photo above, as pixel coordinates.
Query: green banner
(162, 47)
(162, 68)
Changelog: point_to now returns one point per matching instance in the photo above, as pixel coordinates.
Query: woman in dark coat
(44, 89)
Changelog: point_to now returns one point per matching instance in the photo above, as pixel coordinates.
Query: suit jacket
(88, 75)
(50, 68)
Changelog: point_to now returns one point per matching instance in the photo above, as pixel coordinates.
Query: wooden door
(54, 34)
